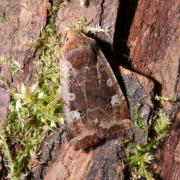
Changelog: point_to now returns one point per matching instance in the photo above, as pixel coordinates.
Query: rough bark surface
(154, 41)
(104, 161)
(50, 151)
(98, 12)
(139, 90)
(20, 23)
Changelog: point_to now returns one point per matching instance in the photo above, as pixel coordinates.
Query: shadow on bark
(124, 20)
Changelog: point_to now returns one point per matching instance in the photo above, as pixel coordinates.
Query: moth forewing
(93, 103)
(112, 81)
(117, 100)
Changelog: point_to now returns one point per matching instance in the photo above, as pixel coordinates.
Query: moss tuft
(34, 110)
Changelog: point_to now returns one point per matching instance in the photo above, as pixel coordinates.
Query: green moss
(34, 110)
(13, 65)
(162, 98)
(82, 25)
(138, 120)
(141, 156)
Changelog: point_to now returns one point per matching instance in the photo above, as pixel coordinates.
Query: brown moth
(93, 104)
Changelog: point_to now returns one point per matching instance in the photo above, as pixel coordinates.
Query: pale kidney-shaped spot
(72, 96)
(74, 115)
(109, 83)
(114, 100)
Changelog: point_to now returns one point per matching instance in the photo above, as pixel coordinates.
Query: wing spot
(74, 115)
(114, 100)
(109, 83)
(72, 97)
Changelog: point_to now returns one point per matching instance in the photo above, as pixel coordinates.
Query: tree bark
(106, 160)
(154, 50)
(144, 37)
(20, 23)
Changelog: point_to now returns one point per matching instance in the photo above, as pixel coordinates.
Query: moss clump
(82, 25)
(36, 109)
(141, 157)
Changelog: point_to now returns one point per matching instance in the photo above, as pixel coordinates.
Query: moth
(93, 104)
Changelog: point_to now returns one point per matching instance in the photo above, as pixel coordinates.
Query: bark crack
(104, 168)
(52, 148)
(65, 166)
(102, 12)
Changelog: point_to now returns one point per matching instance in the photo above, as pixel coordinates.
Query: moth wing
(93, 103)
(116, 114)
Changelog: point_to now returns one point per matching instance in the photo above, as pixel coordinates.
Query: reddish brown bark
(20, 23)
(154, 43)
(102, 163)
(105, 161)
(150, 44)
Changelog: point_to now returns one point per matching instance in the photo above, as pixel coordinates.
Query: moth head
(73, 34)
